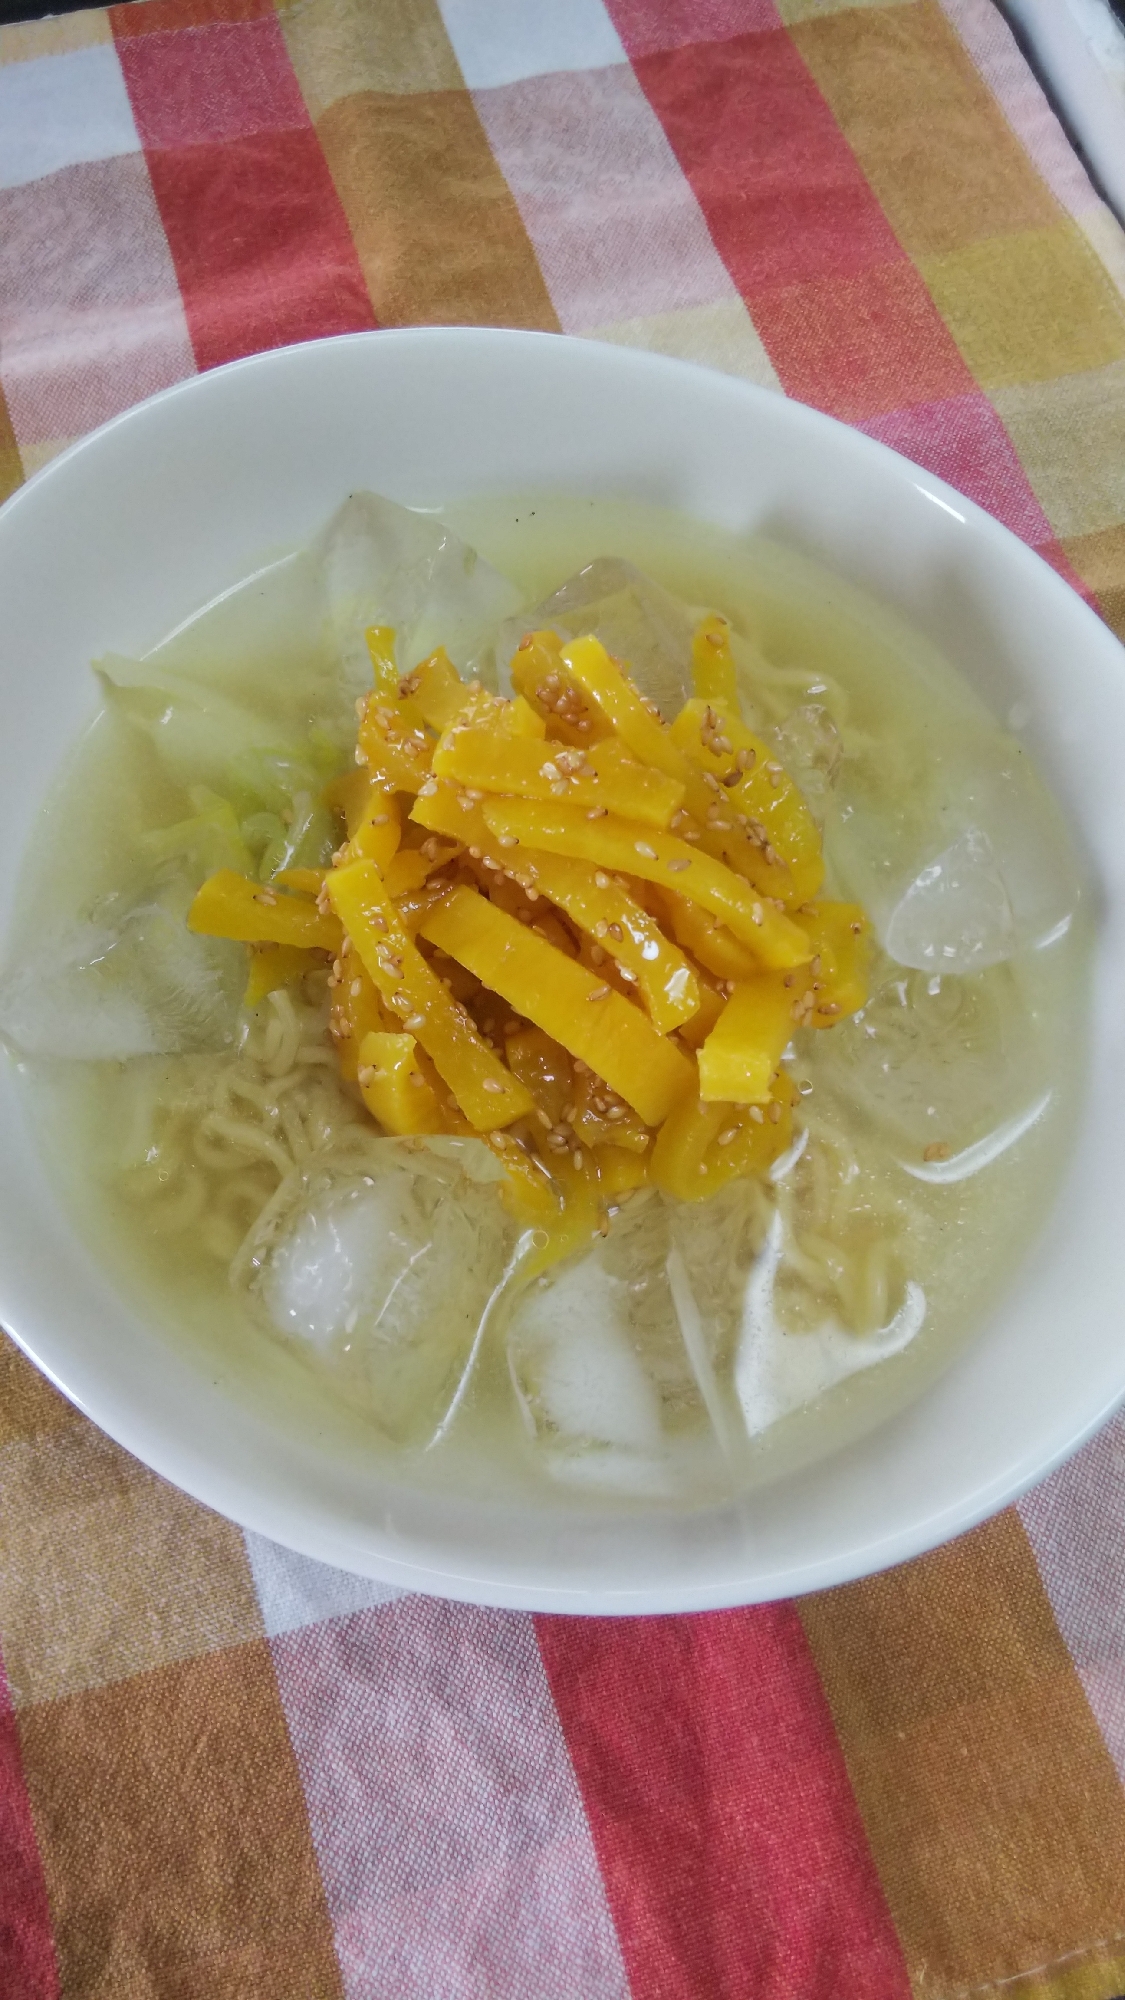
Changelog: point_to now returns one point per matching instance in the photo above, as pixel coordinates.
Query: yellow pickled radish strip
(616, 921)
(606, 684)
(232, 906)
(701, 1146)
(384, 666)
(752, 782)
(303, 881)
(656, 857)
(840, 937)
(544, 1066)
(444, 808)
(564, 999)
(488, 760)
(433, 691)
(716, 947)
(356, 1011)
(713, 673)
(396, 755)
(379, 832)
(393, 1087)
(527, 1191)
(539, 676)
(409, 868)
(620, 1173)
(582, 1214)
(711, 1004)
(486, 1091)
(595, 902)
(678, 1162)
(523, 720)
(741, 1056)
(349, 795)
(276, 965)
(599, 1118)
(764, 1132)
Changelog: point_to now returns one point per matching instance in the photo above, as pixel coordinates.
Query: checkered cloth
(225, 1772)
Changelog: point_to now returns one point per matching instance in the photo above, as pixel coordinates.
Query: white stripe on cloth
(56, 111)
(614, 223)
(1075, 1523)
(294, 1591)
(502, 41)
(453, 1845)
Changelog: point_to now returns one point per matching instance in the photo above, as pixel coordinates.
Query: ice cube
(574, 1368)
(776, 1372)
(634, 618)
(388, 1276)
(808, 744)
(383, 564)
(956, 915)
(58, 1000)
(933, 1058)
(613, 1360)
(142, 984)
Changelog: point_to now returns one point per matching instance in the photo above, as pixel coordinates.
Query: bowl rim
(178, 1459)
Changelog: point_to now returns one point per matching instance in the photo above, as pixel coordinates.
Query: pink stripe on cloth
(454, 1849)
(731, 1844)
(1074, 1523)
(989, 41)
(27, 1953)
(963, 440)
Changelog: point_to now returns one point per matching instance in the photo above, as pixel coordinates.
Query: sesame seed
(507, 840)
(642, 847)
(601, 880)
(356, 988)
(493, 1084)
(267, 897)
(579, 1159)
(774, 1113)
(756, 1113)
(599, 993)
(728, 1137)
(674, 867)
(415, 1022)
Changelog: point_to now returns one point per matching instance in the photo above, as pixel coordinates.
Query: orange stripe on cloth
(439, 236)
(106, 1571)
(175, 1840)
(994, 1812)
(29, 1405)
(891, 75)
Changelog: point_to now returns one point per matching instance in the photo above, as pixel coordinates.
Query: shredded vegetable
(567, 923)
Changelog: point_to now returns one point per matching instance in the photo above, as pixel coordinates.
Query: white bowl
(133, 529)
